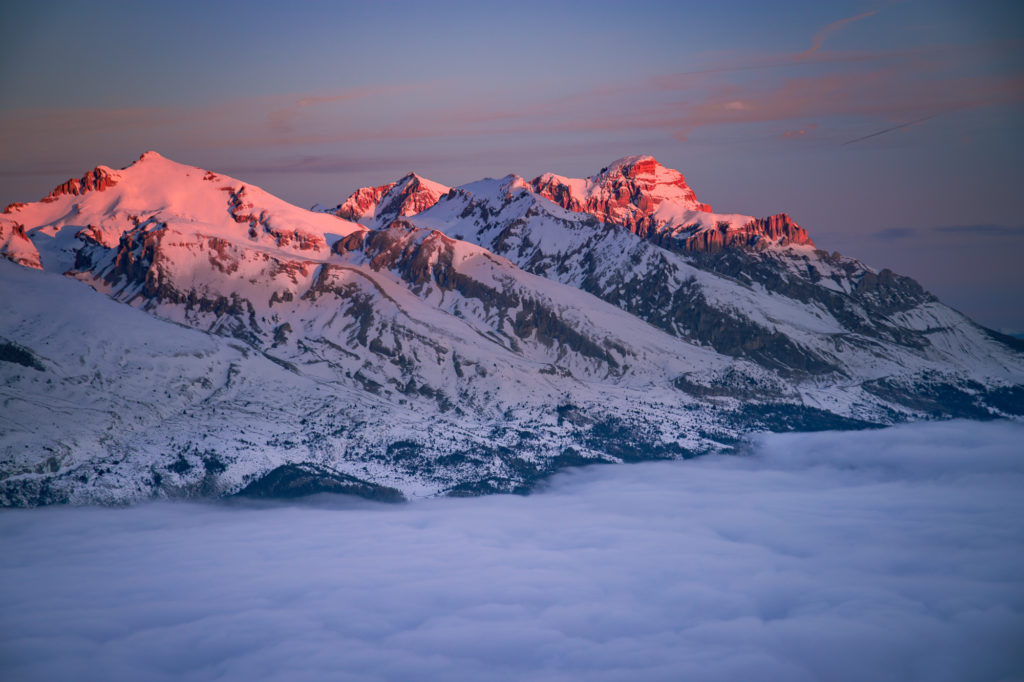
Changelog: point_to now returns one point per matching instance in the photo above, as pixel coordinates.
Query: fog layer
(882, 555)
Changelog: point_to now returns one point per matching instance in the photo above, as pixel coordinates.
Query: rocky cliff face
(378, 206)
(666, 284)
(15, 245)
(756, 234)
(362, 204)
(655, 203)
(98, 179)
(478, 339)
(629, 192)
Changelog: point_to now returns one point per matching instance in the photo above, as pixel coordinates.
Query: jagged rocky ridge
(422, 340)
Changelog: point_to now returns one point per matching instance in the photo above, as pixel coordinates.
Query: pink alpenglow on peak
(362, 204)
(375, 207)
(655, 203)
(628, 192)
(193, 211)
(15, 245)
(98, 179)
(674, 332)
(635, 192)
(758, 233)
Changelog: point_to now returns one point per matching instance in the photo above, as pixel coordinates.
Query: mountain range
(169, 331)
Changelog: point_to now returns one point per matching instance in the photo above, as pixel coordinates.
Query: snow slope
(458, 341)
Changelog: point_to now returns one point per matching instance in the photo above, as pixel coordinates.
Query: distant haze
(890, 131)
(875, 555)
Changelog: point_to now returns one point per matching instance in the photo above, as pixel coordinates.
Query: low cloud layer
(882, 555)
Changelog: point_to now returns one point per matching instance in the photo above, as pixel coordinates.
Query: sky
(889, 555)
(890, 130)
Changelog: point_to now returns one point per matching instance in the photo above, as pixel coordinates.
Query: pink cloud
(890, 93)
(793, 134)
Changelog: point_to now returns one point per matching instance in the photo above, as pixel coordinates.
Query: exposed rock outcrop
(15, 245)
(627, 193)
(98, 179)
(378, 206)
(477, 340)
(776, 230)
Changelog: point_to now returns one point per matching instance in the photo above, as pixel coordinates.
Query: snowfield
(171, 332)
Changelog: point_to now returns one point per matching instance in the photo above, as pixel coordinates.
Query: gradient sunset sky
(892, 131)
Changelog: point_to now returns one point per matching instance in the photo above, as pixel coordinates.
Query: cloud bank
(883, 555)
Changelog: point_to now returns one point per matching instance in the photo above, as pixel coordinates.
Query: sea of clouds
(879, 555)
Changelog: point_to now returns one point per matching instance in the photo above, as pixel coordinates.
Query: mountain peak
(409, 343)
(649, 176)
(377, 206)
(104, 205)
(151, 155)
(631, 166)
(98, 179)
(512, 182)
(629, 192)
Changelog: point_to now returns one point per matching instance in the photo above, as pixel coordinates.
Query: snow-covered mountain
(378, 206)
(421, 340)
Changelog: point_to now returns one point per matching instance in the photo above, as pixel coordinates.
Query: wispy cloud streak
(824, 33)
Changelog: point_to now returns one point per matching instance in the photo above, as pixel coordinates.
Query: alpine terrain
(167, 331)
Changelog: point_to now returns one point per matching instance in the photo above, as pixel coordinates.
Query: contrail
(889, 130)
